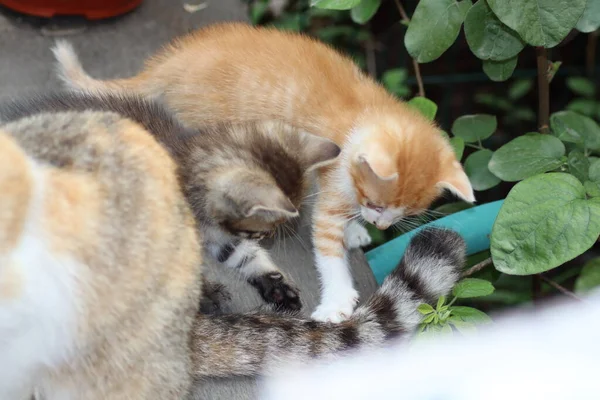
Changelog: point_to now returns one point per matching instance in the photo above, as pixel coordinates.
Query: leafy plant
(552, 213)
(446, 318)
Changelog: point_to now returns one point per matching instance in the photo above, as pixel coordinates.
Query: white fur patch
(38, 326)
(338, 296)
(356, 235)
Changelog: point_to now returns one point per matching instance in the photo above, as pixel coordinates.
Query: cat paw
(214, 297)
(275, 290)
(356, 236)
(338, 309)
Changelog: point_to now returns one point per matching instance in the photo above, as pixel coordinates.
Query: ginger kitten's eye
(374, 207)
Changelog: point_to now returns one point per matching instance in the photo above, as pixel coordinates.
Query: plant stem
(477, 267)
(543, 90)
(419, 78)
(371, 60)
(417, 68)
(590, 53)
(560, 288)
(402, 12)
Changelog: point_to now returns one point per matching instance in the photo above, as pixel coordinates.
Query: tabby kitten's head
(246, 178)
(250, 178)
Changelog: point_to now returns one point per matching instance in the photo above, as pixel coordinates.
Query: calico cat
(242, 181)
(100, 268)
(394, 162)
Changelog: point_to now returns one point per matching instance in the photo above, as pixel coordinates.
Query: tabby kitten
(393, 164)
(242, 181)
(100, 268)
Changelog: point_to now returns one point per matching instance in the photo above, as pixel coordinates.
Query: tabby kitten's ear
(267, 203)
(372, 178)
(264, 201)
(318, 152)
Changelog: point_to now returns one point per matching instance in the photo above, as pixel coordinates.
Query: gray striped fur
(259, 343)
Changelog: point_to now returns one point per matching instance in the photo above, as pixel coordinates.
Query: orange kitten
(394, 162)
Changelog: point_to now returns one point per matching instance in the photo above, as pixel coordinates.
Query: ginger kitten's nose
(382, 225)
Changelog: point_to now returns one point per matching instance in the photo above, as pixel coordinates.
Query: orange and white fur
(394, 162)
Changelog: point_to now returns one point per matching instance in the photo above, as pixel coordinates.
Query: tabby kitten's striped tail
(253, 344)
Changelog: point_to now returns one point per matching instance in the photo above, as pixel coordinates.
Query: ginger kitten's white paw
(356, 235)
(336, 309)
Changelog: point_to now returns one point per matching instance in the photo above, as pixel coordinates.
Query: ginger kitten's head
(250, 178)
(399, 164)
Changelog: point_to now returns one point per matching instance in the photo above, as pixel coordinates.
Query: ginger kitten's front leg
(338, 296)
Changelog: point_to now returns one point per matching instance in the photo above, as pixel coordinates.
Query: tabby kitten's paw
(356, 236)
(276, 290)
(214, 298)
(336, 308)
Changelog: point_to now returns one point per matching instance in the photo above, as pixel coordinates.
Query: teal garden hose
(473, 224)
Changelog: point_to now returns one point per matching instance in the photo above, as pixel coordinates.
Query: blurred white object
(552, 353)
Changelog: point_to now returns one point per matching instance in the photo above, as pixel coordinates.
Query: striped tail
(71, 73)
(260, 343)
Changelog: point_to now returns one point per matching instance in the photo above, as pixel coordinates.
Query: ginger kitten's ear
(318, 152)
(456, 180)
(367, 172)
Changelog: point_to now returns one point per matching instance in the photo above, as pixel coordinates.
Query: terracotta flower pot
(91, 9)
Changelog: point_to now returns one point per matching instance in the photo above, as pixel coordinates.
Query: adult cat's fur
(100, 271)
(242, 181)
(394, 162)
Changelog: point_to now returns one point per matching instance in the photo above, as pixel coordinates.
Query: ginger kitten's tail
(260, 343)
(72, 74)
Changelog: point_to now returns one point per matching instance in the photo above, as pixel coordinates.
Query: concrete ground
(117, 48)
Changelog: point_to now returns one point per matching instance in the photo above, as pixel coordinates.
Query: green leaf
(335, 4)
(539, 22)
(394, 81)
(289, 22)
(592, 188)
(526, 156)
(427, 107)
(578, 165)
(553, 69)
(581, 86)
(446, 330)
(590, 19)
(476, 167)
(434, 26)
(594, 170)
(458, 144)
(587, 107)
(425, 309)
(589, 278)
(441, 302)
(544, 222)
(429, 319)
(469, 314)
(493, 101)
(258, 10)
(452, 208)
(569, 126)
(465, 328)
(472, 287)
(473, 128)
(519, 89)
(499, 71)
(364, 11)
(488, 38)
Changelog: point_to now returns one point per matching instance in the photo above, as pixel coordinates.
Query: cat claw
(337, 311)
(356, 236)
(274, 289)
